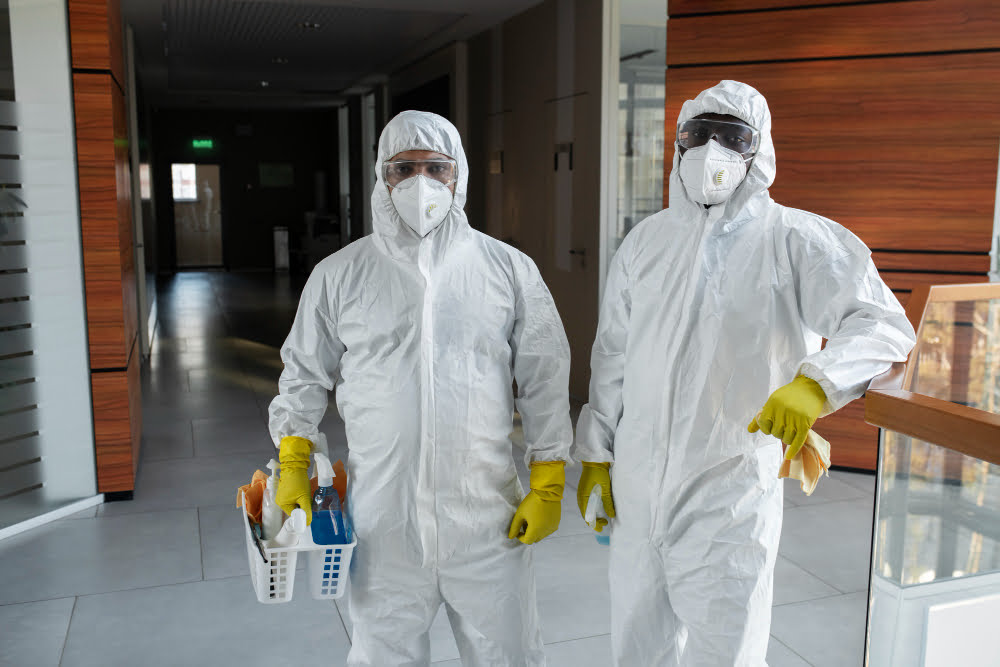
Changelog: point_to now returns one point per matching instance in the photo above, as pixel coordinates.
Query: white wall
(50, 230)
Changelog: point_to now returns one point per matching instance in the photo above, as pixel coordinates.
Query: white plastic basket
(274, 580)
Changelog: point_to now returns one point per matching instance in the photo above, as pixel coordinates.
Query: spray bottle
(292, 531)
(595, 511)
(271, 514)
(327, 520)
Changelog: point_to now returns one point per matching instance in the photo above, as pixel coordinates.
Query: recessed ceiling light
(265, 84)
(310, 25)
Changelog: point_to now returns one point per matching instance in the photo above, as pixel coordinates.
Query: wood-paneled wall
(885, 119)
(106, 220)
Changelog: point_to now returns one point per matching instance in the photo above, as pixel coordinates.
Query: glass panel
(936, 558)
(641, 101)
(958, 354)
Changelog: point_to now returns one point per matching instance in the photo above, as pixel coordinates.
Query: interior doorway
(197, 214)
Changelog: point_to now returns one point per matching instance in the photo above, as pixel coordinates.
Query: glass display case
(934, 594)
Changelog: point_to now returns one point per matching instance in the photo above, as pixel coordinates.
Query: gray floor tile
(832, 541)
(443, 646)
(864, 482)
(88, 513)
(826, 633)
(216, 378)
(34, 632)
(69, 558)
(217, 436)
(188, 483)
(779, 655)
(182, 405)
(571, 576)
(793, 584)
(163, 439)
(223, 550)
(203, 623)
(829, 490)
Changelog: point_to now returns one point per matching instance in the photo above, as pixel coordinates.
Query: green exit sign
(204, 144)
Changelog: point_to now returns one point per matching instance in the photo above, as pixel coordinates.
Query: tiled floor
(162, 579)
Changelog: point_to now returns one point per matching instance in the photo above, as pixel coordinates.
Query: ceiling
(280, 53)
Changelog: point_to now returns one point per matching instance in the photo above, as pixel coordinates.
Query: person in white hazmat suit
(709, 307)
(422, 327)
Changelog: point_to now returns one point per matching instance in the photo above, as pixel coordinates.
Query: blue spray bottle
(595, 511)
(327, 519)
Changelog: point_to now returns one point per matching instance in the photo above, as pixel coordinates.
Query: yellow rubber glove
(790, 412)
(592, 475)
(540, 511)
(293, 484)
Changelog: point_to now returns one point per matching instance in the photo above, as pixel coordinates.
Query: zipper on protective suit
(696, 275)
(428, 446)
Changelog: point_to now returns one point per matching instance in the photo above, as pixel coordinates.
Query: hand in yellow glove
(790, 412)
(592, 475)
(540, 511)
(293, 484)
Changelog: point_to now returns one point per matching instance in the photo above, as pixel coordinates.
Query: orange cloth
(254, 495)
(339, 481)
(811, 463)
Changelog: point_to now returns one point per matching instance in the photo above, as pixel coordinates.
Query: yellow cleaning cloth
(254, 494)
(811, 463)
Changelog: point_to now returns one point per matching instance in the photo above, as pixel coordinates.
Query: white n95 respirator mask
(711, 173)
(423, 203)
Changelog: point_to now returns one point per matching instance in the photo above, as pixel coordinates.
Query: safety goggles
(397, 171)
(737, 137)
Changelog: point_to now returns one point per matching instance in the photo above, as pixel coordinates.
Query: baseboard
(49, 517)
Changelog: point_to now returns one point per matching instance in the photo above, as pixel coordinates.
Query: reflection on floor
(163, 580)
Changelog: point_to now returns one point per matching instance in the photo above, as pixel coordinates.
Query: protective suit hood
(744, 102)
(418, 130)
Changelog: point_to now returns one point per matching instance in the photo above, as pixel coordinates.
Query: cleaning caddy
(275, 542)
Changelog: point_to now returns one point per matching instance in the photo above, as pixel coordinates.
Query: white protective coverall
(422, 338)
(705, 313)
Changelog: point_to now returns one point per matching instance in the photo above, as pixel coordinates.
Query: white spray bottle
(293, 529)
(271, 514)
(595, 511)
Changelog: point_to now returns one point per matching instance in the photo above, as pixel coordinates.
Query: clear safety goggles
(397, 171)
(737, 137)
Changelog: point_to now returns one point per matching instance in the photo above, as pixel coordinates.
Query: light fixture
(278, 60)
(265, 84)
(310, 25)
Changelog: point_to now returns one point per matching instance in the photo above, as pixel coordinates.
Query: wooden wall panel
(96, 37)
(116, 425)
(905, 281)
(680, 7)
(952, 263)
(882, 146)
(106, 229)
(109, 327)
(853, 443)
(123, 189)
(919, 26)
